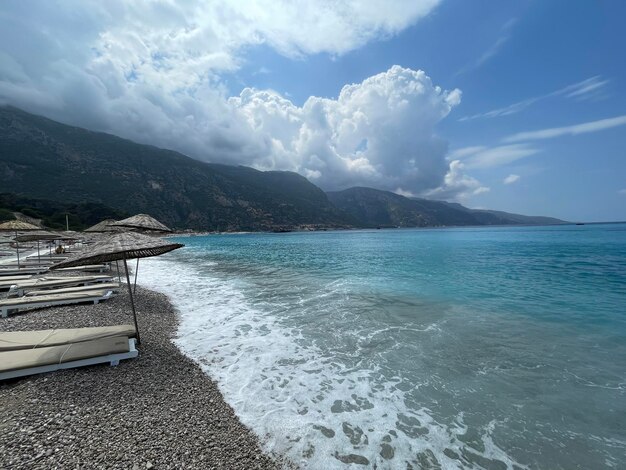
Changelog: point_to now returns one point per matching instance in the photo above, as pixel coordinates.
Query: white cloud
(180, 47)
(405, 193)
(511, 179)
(379, 132)
(465, 151)
(493, 49)
(153, 71)
(591, 88)
(587, 89)
(622, 191)
(488, 157)
(584, 128)
(457, 185)
(506, 111)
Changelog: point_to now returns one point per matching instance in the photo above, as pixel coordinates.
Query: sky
(516, 105)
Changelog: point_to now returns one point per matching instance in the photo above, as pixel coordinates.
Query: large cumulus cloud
(152, 71)
(380, 132)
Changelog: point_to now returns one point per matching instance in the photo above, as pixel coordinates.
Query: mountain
(374, 208)
(52, 214)
(49, 169)
(44, 159)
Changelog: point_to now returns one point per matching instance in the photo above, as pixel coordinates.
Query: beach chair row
(45, 292)
(25, 353)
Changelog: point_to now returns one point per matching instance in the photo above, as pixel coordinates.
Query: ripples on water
(472, 348)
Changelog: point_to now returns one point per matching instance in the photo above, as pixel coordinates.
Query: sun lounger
(37, 361)
(7, 282)
(21, 287)
(17, 271)
(90, 267)
(112, 286)
(14, 340)
(21, 277)
(23, 303)
(29, 264)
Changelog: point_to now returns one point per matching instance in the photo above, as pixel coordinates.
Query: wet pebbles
(157, 411)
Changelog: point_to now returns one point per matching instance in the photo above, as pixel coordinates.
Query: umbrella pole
(132, 302)
(38, 255)
(136, 269)
(17, 244)
(119, 276)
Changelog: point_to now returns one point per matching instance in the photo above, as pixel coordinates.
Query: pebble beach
(156, 411)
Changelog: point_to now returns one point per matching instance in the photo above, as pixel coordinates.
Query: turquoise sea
(414, 348)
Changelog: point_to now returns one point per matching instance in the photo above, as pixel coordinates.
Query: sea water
(446, 348)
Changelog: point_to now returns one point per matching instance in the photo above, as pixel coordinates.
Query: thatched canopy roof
(126, 245)
(68, 235)
(17, 225)
(104, 226)
(142, 222)
(34, 236)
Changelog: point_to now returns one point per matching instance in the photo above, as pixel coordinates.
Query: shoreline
(159, 410)
(193, 233)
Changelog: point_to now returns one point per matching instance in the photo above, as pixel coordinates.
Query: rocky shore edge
(156, 411)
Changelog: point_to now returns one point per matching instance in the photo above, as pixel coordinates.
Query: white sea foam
(302, 402)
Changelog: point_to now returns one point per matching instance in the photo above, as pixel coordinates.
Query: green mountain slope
(53, 169)
(41, 158)
(52, 214)
(374, 208)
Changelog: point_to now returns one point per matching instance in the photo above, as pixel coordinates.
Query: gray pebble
(160, 408)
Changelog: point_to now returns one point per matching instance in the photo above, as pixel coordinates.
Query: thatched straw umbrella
(104, 226)
(144, 223)
(122, 246)
(15, 226)
(37, 237)
(5, 240)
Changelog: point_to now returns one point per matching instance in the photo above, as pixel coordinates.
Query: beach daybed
(21, 287)
(14, 340)
(90, 267)
(112, 286)
(20, 277)
(18, 271)
(23, 303)
(37, 352)
(28, 263)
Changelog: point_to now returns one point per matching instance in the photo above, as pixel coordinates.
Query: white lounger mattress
(15, 271)
(49, 282)
(87, 267)
(29, 358)
(40, 301)
(113, 286)
(15, 340)
(87, 296)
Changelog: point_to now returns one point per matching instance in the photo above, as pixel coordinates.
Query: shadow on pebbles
(156, 411)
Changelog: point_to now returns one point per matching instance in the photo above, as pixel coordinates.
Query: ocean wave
(316, 407)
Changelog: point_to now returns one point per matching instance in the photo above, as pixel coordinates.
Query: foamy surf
(320, 408)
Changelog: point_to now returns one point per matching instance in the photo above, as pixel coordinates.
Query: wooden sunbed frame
(112, 286)
(90, 267)
(18, 289)
(18, 271)
(112, 359)
(50, 300)
(16, 278)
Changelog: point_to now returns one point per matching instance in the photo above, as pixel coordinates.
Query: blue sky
(500, 54)
(520, 105)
